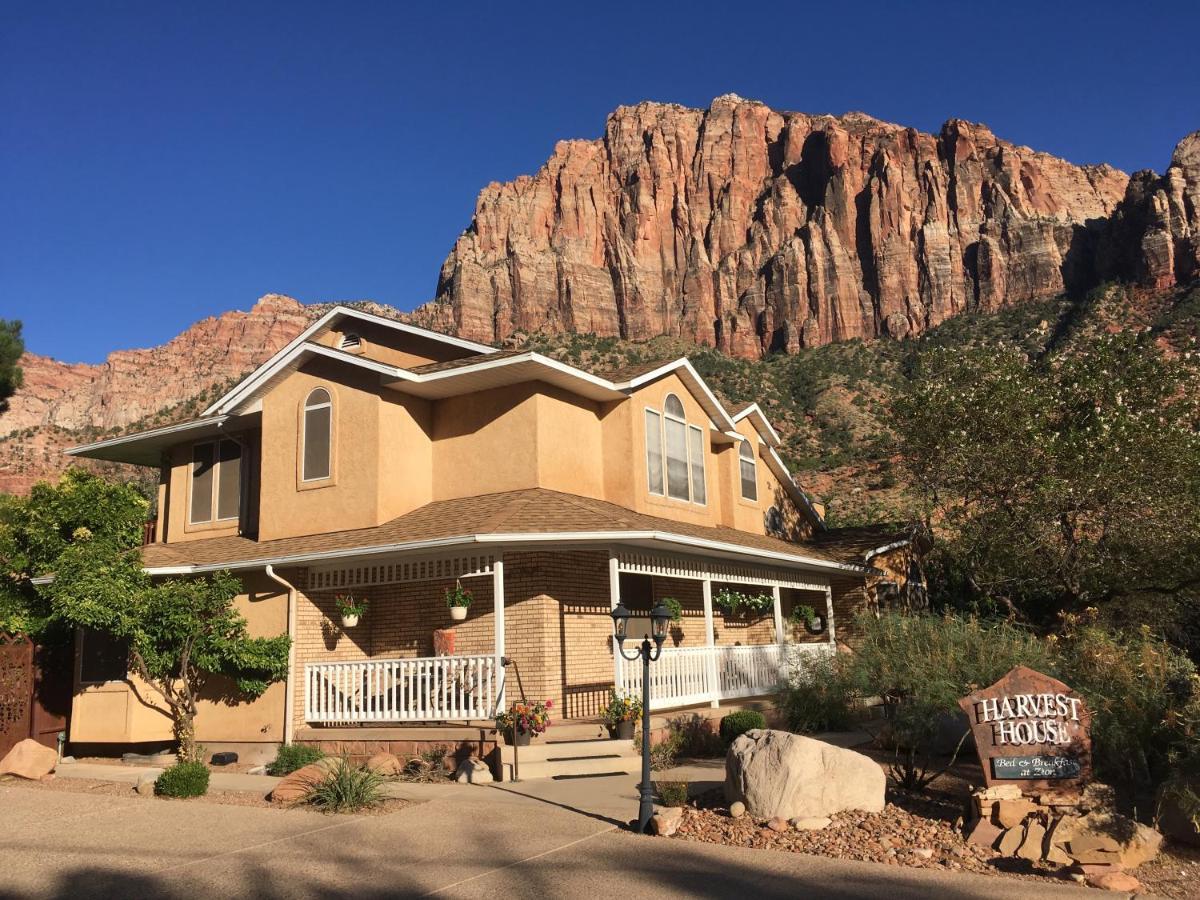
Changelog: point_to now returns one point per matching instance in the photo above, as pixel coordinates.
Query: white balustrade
(425, 689)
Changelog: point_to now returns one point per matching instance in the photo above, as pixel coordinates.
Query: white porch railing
(684, 676)
(427, 689)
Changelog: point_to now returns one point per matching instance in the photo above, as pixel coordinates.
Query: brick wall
(849, 600)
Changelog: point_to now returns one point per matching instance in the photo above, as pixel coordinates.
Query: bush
(672, 793)
(347, 788)
(738, 723)
(184, 779)
(820, 696)
(291, 757)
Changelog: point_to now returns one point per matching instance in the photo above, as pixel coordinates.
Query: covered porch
(539, 625)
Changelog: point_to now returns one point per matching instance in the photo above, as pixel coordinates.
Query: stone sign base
(1077, 829)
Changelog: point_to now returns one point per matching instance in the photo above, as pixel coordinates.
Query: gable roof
(759, 419)
(523, 516)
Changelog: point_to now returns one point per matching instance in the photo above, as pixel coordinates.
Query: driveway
(464, 842)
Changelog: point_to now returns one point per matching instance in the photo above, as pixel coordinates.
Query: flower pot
(349, 621)
(622, 730)
(518, 737)
(458, 613)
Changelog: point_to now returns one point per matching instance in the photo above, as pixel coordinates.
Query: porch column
(829, 615)
(714, 679)
(614, 597)
(779, 636)
(498, 621)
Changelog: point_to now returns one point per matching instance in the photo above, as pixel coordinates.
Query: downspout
(289, 699)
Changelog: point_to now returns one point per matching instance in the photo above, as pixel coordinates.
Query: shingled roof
(535, 511)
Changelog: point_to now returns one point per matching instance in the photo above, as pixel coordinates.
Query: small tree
(11, 348)
(185, 638)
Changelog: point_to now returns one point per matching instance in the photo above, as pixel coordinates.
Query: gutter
(289, 699)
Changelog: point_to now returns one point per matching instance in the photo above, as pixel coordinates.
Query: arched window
(749, 471)
(680, 469)
(318, 435)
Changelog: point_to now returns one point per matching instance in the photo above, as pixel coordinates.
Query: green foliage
(347, 788)
(184, 635)
(674, 606)
(1060, 482)
(733, 602)
(458, 595)
(290, 757)
(11, 348)
(738, 723)
(187, 778)
(36, 530)
(820, 694)
(349, 605)
(672, 793)
(621, 707)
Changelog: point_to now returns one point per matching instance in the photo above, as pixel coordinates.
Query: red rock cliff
(751, 229)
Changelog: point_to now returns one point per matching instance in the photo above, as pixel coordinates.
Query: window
(749, 472)
(216, 481)
(318, 435)
(680, 469)
(102, 657)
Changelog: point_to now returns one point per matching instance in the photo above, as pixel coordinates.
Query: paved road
(465, 842)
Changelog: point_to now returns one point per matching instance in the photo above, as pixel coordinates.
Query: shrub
(347, 788)
(291, 757)
(738, 723)
(820, 695)
(672, 793)
(184, 779)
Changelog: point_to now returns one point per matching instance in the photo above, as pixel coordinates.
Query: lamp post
(660, 616)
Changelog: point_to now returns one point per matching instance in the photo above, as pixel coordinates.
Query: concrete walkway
(462, 841)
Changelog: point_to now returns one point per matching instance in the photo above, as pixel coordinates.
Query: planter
(622, 730)
(458, 613)
(518, 737)
(349, 621)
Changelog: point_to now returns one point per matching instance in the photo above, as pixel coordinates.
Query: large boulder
(29, 759)
(787, 776)
(296, 787)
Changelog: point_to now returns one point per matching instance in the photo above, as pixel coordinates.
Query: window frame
(214, 518)
(305, 407)
(81, 637)
(753, 463)
(692, 464)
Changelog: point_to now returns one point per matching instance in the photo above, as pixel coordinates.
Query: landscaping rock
(1114, 881)
(813, 824)
(145, 785)
(1173, 821)
(665, 822)
(1109, 838)
(1097, 797)
(737, 809)
(386, 764)
(778, 824)
(1010, 813)
(1010, 841)
(984, 833)
(923, 852)
(786, 776)
(295, 787)
(1031, 846)
(29, 759)
(473, 771)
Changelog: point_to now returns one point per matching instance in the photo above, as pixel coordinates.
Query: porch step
(567, 751)
(572, 768)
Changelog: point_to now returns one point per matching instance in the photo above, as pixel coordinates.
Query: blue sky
(160, 162)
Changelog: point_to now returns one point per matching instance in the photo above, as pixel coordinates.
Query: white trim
(718, 414)
(498, 622)
(304, 410)
(764, 427)
(794, 490)
(894, 545)
(142, 435)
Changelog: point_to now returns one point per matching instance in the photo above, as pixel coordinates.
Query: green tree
(186, 640)
(35, 530)
(11, 348)
(1062, 482)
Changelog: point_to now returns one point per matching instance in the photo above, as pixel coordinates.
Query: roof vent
(350, 341)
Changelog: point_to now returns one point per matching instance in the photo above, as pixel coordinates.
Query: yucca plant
(347, 788)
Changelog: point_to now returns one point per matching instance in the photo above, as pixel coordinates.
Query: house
(373, 458)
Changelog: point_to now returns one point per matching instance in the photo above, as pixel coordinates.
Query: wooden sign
(1031, 730)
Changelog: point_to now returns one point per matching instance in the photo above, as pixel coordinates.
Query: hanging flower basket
(458, 599)
(735, 603)
(350, 608)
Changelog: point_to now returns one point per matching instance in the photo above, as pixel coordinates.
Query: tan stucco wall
(128, 712)
(390, 346)
(570, 445)
(485, 442)
(176, 498)
(405, 454)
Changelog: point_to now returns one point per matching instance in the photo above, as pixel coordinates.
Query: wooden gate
(16, 689)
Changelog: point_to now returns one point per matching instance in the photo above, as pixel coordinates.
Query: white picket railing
(426, 689)
(683, 676)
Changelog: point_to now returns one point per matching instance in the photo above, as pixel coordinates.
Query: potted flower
(458, 599)
(620, 714)
(522, 720)
(351, 609)
(733, 603)
(803, 614)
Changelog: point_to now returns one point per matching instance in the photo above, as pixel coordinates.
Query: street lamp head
(660, 618)
(620, 617)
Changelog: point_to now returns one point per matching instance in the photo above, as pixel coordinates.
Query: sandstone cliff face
(61, 404)
(753, 229)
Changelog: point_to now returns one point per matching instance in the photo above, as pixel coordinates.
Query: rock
(1031, 847)
(1111, 838)
(1173, 821)
(984, 833)
(386, 764)
(670, 813)
(813, 824)
(1114, 881)
(145, 785)
(257, 770)
(663, 825)
(1097, 797)
(750, 228)
(29, 759)
(295, 787)
(737, 809)
(923, 852)
(66, 761)
(778, 824)
(1000, 792)
(1009, 813)
(786, 776)
(1010, 841)
(473, 771)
